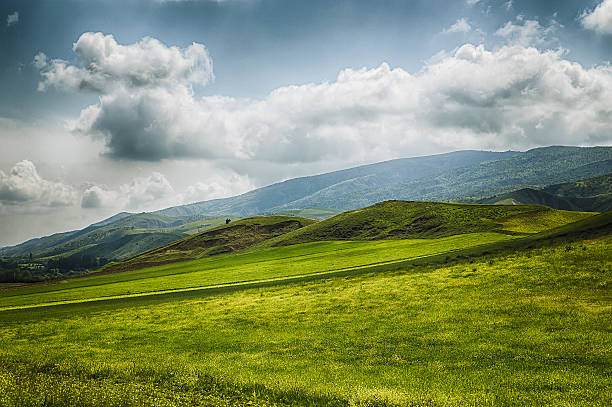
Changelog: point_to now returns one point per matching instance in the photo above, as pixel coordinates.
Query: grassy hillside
(162, 274)
(586, 188)
(227, 238)
(119, 237)
(401, 219)
(516, 328)
(459, 176)
(591, 195)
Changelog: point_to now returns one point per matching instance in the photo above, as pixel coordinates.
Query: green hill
(227, 238)
(589, 195)
(115, 238)
(403, 219)
(535, 168)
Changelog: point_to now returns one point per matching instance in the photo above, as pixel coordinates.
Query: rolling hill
(228, 238)
(590, 195)
(121, 236)
(403, 220)
(463, 176)
(279, 196)
(390, 220)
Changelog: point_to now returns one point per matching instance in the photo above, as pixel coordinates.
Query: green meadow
(529, 328)
(296, 260)
(499, 317)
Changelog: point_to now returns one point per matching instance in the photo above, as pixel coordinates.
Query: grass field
(499, 317)
(296, 260)
(531, 328)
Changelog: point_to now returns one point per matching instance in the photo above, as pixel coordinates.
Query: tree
(228, 220)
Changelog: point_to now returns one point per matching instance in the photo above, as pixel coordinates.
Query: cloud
(515, 97)
(12, 19)
(98, 196)
(155, 191)
(23, 185)
(599, 19)
(144, 191)
(472, 2)
(216, 187)
(108, 66)
(461, 26)
(527, 32)
(40, 60)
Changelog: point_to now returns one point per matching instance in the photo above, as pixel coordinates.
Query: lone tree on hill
(228, 220)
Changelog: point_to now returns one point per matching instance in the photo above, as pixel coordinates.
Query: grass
(519, 329)
(311, 213)
(226, 238)
(279, 262)
(534, 222)
(402, 219)
(501, 316)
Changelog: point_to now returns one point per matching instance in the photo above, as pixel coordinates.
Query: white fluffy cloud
(142, 193)
(460, 26)
(599, 19)
(23, 185)
(515, 97)
(155, 192)
(108, 66)
(12, 19)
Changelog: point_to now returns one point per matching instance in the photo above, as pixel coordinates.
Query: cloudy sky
(137, 105)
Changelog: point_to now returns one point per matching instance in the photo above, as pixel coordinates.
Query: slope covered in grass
(282, 265)
(591, 195)
(116, 238)
(523, 328)
(227, 238)
(403, 219)
(274, 265)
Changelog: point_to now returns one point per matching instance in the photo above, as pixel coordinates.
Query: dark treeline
(28, 270)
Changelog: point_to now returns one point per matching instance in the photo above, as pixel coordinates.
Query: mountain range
(573, 178)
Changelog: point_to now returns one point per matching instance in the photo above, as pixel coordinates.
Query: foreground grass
(522, 329)
(270, 263)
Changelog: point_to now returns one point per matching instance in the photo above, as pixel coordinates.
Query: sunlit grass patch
(530, 328)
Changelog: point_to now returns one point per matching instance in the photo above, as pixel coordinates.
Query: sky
(136, 105)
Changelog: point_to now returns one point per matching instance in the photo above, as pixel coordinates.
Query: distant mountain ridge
(462, 176)
(298, 193)
(589, 195)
